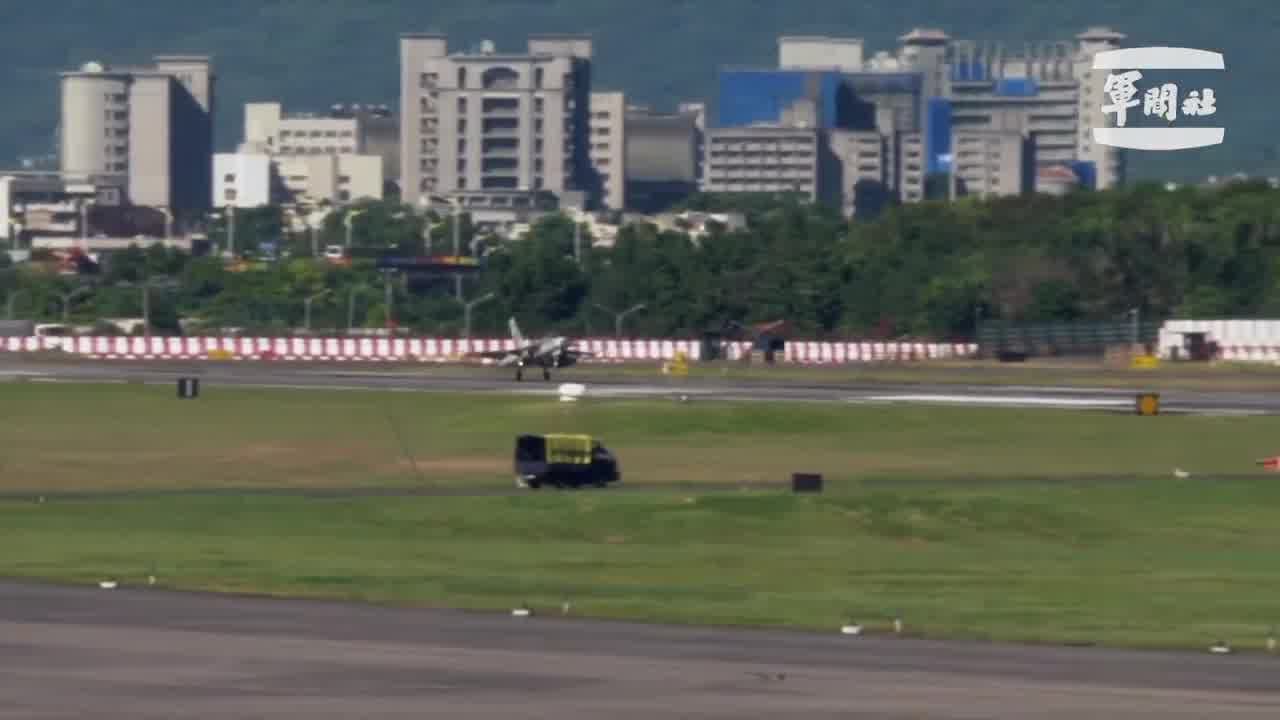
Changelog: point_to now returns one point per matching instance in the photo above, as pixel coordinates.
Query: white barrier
(331, 349)
(1238, 340)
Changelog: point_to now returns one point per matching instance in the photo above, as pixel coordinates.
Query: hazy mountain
(311, 53)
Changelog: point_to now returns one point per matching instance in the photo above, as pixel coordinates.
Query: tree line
(932, 269)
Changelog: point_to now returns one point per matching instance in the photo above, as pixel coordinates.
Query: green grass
(935, 513)
(1150, 563)
(107, 437)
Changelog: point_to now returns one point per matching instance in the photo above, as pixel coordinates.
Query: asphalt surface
(487, 380)
(76, 652)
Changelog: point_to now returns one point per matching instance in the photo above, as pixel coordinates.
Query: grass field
(1154, 563)
(96, 437)
(932, 513)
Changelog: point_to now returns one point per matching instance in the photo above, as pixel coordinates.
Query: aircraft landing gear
(546, 374)
(519, 374)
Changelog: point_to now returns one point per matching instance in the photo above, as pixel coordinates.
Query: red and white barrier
(446, 349)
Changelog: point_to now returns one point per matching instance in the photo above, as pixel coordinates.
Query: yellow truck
(563, 461)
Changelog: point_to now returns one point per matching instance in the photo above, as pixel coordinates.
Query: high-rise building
(342, 130)
(151, 128)
(497, 132)
(663, 157)
(609, 147)
(1001, 119)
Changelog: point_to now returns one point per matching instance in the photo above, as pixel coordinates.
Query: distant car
(563, 461)
(334, 252)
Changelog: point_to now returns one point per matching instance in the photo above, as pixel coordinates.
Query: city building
(343, 130)
(782, 158)
(698, 111)
(332, 179)
(609, 147)
(52, 210)
(663, 157)
(243, 180)
(499, 133)
(253, 179)
(1001, 118)
(149, 128)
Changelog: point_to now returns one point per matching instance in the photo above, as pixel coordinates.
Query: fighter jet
(547, 353)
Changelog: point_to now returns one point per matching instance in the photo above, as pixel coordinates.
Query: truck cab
(563, 461)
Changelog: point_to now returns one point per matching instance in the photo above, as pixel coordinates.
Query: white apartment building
(151, 127)
(609, 147)
(498, 132)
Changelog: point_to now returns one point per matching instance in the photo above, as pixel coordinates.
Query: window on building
(316, 133)
(331, 133)
(462, 77)
(427, 80)
(462, 126)
(229, 178)
(538, 77)
(344, 179)
(229, 194)
(462, 106)
(344, 196)
(346, 134)
(122, 115)
(538, 104)
(537, 147)
(537, 125)
(462, 147)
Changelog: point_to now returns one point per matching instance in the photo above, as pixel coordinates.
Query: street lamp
(13, 301)
(351, 304)
(455, 219)
(306, 307)
(84, 223)
(66, 299)
(230, 217)
(466, 312)
(618, 317)
(352, 215)
(168, 222)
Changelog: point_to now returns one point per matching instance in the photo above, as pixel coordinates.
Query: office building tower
(149, 128)
(609, 147)
(500, 133)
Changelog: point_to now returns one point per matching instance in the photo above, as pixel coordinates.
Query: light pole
(351, 305)
(13, 301)
(455, 219)
(1133, 326)
(467, 307)
(66, 299)
(577, 242)
(84, 224)
(387, 297)
(351, 216)
(168, 222)
(618, 317)
(306, 308)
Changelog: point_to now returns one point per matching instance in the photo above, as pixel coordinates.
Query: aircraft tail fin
(515, 332)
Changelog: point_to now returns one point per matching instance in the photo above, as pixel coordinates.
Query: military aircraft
(547, 353)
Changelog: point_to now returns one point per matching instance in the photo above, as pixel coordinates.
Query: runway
(487, 380)
(71, 652)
